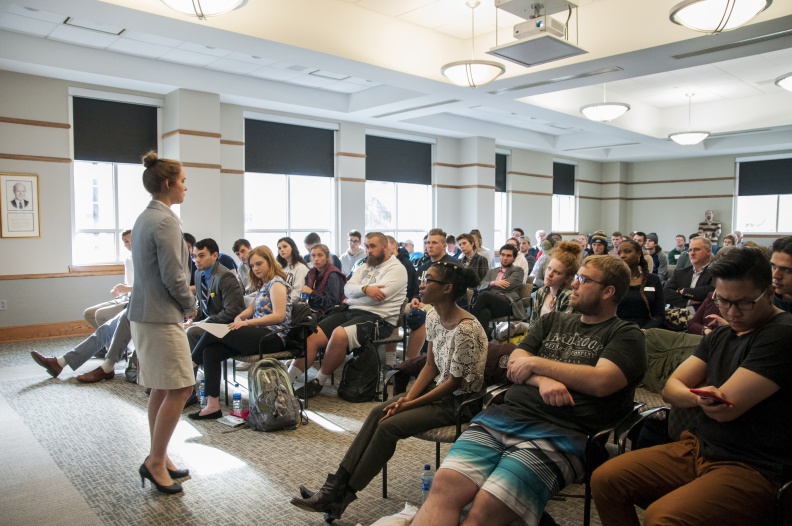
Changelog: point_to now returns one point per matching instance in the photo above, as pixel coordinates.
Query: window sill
(75, 271)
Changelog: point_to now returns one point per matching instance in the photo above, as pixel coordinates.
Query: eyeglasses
(425, 280)
(743, 305)
(585, 279)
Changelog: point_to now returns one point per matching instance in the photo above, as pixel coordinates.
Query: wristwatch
(364, 288)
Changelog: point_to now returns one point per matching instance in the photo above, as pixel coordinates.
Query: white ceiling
(377, 62)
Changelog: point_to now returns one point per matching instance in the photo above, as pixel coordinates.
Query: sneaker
(309, 390)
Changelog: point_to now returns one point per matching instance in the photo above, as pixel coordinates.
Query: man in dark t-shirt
(573, 374)
(727, 468)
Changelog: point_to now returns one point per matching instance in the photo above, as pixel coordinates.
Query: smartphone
(706, 394)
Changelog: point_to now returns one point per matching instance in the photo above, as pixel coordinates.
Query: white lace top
(460, 352)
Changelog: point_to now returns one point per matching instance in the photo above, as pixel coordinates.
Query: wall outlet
(3, 305)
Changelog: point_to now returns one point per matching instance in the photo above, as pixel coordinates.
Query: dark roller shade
(275, 148)
(116, 132)
(766, 177)
(398, 161)
(563, 179)
(500, 172)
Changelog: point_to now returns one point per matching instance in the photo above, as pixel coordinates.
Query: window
(764, 196)
(295, 206)
(109, 140)
(401, 210)
(564, 205)
(398, 187)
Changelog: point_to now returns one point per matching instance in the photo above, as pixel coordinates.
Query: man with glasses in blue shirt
(727, 468)
(573, 374)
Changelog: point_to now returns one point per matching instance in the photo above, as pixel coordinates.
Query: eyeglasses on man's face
(742, 305)
(585, 279)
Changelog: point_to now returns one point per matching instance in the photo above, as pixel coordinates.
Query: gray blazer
(514, 275)
(225, 296)
(162, 271)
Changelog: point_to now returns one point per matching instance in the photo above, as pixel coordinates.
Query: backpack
(360, 377)
(273, 405)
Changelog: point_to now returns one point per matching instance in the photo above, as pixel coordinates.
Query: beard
(374, 260)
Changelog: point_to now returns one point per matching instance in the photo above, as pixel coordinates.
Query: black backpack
(360, 376)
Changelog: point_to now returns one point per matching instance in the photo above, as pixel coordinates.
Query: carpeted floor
(70, 454)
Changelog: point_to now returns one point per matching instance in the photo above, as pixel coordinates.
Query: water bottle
(304, 297)
(237, 399)
(426, 481)
(202, 394)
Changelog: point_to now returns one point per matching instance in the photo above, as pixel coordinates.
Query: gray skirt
(164, 360)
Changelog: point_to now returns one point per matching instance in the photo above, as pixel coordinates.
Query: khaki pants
(677, 486)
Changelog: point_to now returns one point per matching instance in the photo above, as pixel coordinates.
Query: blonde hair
(274, 268)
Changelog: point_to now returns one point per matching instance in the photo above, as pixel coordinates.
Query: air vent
(416, 108)
(601, 147)
(733, 45)
(91, 26)
(740, 133)
(557, 80)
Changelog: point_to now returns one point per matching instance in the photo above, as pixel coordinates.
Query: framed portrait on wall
(19, 205)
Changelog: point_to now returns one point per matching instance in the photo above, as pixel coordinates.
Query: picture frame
(19, 205)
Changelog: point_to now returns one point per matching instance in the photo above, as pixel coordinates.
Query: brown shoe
(97, 375)
(47, 362)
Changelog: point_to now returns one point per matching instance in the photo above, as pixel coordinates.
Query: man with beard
(573, 374)
(374, 295)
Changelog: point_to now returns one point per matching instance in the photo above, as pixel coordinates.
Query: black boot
(305, 492)
(332, 498)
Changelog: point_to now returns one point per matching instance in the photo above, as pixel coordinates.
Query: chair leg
(437, 456)
(587, 501)
(385, 481)
(225, 380)
(306, 383)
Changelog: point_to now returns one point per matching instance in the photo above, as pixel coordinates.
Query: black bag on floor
(360, 376)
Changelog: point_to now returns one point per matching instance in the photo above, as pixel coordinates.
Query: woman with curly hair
(561, 269)
(644, 303)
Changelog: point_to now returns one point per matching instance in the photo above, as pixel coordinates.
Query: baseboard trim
(46, 331)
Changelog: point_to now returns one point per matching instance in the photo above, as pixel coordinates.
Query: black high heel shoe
(175, 473)
(146, 474)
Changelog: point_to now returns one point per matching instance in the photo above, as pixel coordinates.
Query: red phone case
(706, 394)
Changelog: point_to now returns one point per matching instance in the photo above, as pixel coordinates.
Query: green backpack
(273, 405)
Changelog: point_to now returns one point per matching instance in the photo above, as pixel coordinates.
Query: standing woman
(293, 265)
(261, 326)
(554, 296)
(325, 282)
(455, 359)
(644, 303)
(160, 303)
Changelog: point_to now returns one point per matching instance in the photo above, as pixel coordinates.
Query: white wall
(621, 195)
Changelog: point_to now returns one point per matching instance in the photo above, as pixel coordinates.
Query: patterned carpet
(94, 437)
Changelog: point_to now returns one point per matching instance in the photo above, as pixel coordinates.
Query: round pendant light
(689, 138)
(204, 9)
(714, 16)
(472, 73)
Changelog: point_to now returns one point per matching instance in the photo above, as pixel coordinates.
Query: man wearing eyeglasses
(353, 254)
(573, 374)
(728, 467)
(689, 286)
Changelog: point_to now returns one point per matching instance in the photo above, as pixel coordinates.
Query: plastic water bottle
(426, 481)
(237, 399)
(202, 394)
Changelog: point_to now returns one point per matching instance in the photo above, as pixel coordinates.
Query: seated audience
(98, 315)
(781, 264)
(374, 295)
(351, 255)
(517, 233)
(727, 469)
(311, 240)
(536, 250)
(684, 258)
(262, 326)
(729, 240)
(707, 317)
(739, 237)
(224, 259)
(456, 356)
(419, 262)
(520, 260)
(674, 253)
(498, 289)
(643, 304)
(324, 283)
(640, 238)
(409, 246)
(538, 271)
(470, 259)
(484, 251)
(584, 242)
(659, 260)
(219, 294)
(554, 296)
(114, 336)
(688, 287)
(573, 374)
(293, 266)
